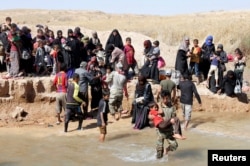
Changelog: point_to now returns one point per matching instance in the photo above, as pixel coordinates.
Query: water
(128, 147)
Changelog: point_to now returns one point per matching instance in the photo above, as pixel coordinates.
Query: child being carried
(156, 117)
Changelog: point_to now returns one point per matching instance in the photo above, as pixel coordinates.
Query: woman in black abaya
(114, 39)
(140, 108)
(150, 69)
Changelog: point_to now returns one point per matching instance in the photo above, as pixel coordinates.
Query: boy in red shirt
(130, 55)
(61, 83)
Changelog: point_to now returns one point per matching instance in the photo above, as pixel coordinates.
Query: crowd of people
(78, 61)
(209, 63)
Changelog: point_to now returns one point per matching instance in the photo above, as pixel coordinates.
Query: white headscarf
(184, 45)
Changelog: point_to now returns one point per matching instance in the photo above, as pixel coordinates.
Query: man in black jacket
(187, 89)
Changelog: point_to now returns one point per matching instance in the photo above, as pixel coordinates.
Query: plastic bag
(161, 62)
(237, 88)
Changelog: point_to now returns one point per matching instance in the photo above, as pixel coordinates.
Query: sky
(151, 7)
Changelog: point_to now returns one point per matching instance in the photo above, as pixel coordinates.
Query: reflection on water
(128, 148)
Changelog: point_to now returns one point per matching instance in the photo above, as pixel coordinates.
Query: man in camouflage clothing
(167, 133)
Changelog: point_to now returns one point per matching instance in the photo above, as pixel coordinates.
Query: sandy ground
(217, 111)
(221, 115)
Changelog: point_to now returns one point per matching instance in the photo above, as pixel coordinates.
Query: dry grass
(229, 28)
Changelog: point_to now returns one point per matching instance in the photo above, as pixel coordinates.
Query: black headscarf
(228, 83)
(116, 40)
(230, 73)
(147, 46)
(140, 88)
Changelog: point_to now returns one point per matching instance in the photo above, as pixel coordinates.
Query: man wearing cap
(85, 78)
(168, 85)
(118, 86)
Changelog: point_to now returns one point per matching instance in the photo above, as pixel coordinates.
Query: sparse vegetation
(227, 27)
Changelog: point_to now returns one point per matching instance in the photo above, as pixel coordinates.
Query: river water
(127, 147)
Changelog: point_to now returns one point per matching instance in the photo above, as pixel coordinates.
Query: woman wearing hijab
(140, 109)
(74, 45)
(77, 33)
(181, 57)
(221, 68)
(58, 39)
(26, 61)
(207, 49)
(94, 39)
(150, 69)
(115, 39)
(228, 84)
(96, 90)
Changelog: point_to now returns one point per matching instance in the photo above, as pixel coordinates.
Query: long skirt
(151, 72)
(14, 63)
(140, 116)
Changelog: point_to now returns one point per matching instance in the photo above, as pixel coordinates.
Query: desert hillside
(29, 133)
(229, 28)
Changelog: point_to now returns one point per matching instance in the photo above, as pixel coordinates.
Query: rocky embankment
(31, 100)
(27, 90)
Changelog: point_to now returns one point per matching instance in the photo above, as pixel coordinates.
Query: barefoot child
(102, 116)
